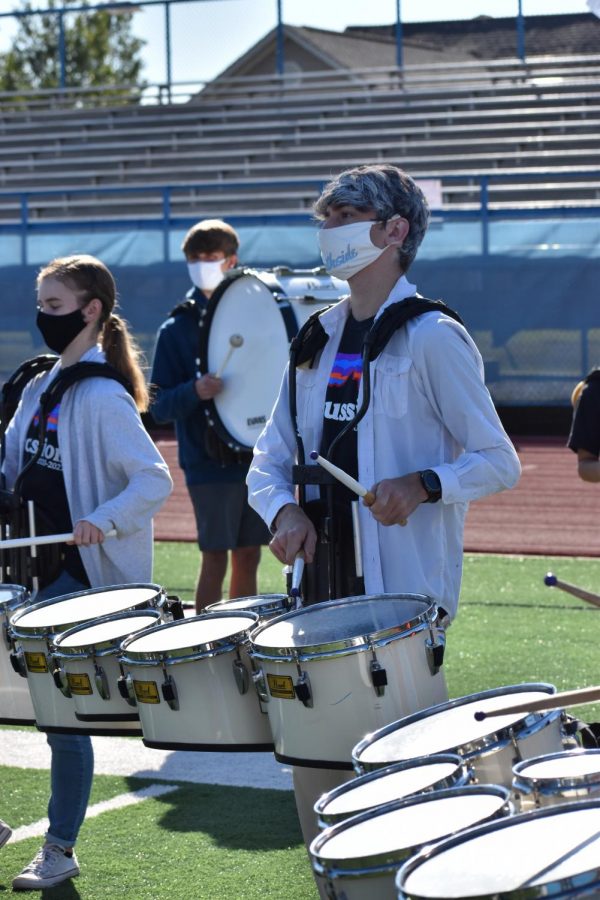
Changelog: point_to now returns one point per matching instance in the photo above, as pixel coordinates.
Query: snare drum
(552, 852)
(15, 702)
(557, 778)
(35, 628)
(87, 659)
(243, 304)
(358, 859)
(392, 783)
(491, 747)
(335, 671)
(193, 683)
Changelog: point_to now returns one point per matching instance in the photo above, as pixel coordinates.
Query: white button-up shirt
(429, 409)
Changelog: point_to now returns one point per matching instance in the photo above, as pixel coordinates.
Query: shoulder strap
(311, 338)
(186, 307)
(594, 375)
(13, 388)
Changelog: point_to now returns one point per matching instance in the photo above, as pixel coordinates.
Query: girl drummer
(99, 471)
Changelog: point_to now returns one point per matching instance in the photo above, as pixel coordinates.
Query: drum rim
(102, 648)
(380, 733)
(191, 652)
(210, 408)
(370, 864)
(270, 602)
(41, 632)
(342, 646)
(320, 807)
(555, 783)
(422, 856)
(8, 604)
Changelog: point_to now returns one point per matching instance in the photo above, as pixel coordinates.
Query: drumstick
(554, 701)
(41, 539)
(351, 483)
(235, 341)
(552, 581)
(31, 517)
(297, 572)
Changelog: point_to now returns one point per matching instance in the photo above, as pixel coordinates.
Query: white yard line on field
(130, 758)
(39, 828)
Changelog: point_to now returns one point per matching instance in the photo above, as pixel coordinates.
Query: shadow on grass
(235, 817)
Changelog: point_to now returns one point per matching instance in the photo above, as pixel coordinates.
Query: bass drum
(244, 306)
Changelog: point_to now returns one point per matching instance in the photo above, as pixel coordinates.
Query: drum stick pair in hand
(351, 483)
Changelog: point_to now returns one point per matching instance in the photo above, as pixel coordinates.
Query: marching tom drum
(491, 747)
(266, 606)
(193, 683)
(335, 671)
(16, 707)
(307, 290)
(557, 778)
(34, 629)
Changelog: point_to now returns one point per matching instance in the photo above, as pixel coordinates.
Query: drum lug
(240, 673)
(17, 661)
(303, 690)
(435, 650)
(126, 689)
(101, 682)
(60, 680)
(175, 607)
(169, 692)
(378, 677)
(258, 677)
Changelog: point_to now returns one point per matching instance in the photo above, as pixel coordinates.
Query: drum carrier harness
(322, 581)
(20, 566)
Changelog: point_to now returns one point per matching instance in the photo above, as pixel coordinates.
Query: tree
(99, 49)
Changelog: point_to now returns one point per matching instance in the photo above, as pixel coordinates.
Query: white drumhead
(410, 826)
(254, 604)
(447, 729)
(528, 850)
(90, 605)
(190, 632)
(389, 786)
(98, 633)
(335, 621)
(575, 764)
(253, 372)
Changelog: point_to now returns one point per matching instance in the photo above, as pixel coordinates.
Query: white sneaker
(49, 867)
(5, 832)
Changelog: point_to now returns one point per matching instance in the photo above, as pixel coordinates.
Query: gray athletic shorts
(224, 519)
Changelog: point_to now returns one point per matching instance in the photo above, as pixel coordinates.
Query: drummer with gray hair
(425, 439)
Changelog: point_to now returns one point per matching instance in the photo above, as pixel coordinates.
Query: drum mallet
(42, 539)
(552, 581)
(297, 573)
(351, 483)
(235, 341)
(553, 701)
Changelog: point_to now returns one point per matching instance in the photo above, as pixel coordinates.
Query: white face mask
(206, 275)
(348, 249)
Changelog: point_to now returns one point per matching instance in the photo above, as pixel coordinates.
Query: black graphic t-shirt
(44, 483)
(341, 402)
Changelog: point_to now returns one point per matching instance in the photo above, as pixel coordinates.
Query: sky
(208, 35)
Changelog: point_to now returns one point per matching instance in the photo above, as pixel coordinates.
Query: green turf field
(206, 842)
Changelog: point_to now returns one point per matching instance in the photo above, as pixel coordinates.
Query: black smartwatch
(432, 485)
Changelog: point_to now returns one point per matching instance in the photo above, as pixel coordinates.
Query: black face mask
(59, 331)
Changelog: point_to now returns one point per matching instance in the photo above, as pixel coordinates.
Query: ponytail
(123, 354)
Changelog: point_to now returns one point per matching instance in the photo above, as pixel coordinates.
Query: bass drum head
(244, 305)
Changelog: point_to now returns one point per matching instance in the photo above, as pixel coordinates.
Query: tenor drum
(557, 778)
(16, 707)
(265, 606)
(306, 290)
(87, 662)
(552, 852)
(397, 782)
(243, 304)
(333, 672)
(35, 628)
(491, 747)
(193, 683)
(358, 859)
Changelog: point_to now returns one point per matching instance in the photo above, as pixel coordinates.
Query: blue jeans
(72, 766)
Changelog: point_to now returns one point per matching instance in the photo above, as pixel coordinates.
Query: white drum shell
(491, 748)
(557, 778)
(16, 707)
(212, 713)
(53, 710)
(358, 859)
(552, 852)
(345, 706)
